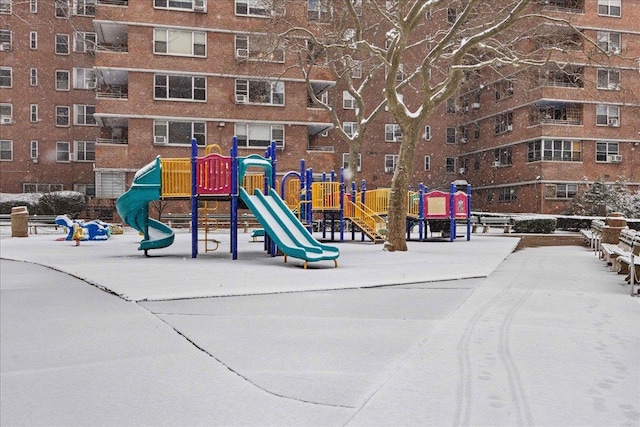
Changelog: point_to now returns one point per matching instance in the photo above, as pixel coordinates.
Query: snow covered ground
(462, 333)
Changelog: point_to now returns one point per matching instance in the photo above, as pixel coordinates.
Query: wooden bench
(34, 222)
(214, 221)
(622, 263)
(609, 251)
(593, 235)
(496, 221)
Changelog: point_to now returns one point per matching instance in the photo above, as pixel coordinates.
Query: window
(452, 15)
(6, 76)
(33, 113)
(355, 70)
(605, 151)
(33, 6)
(609, 7)
(609, 41)
(260, 8)
(560, 191)
(62, 152)
(350, 128)
(5, 6)
(84, 7)
(476, 130)
(29, 187)
(345, 162)
(62, 80)
(451, 135)
(502, 156)
(504, 89)
(259, 135)
(62, 8)
(86, 189)
(567, 76)
(6, 114)
(427, 163)
(557, 113)
(85, 151)
(390, 162)
(110, 185)
(33, 40)
(84, 78)
(427, 133)
(180, 88)
(258, 48)
(608, 79)
(63, 116)
(83, 115)
(507, 194)
(503, 123)
(180, 42)
(450, 165)
(62, 44)
(464, 134)
(5, 41)
(259, 92)
(555, 150)
(392, 132)
(6, 150)
(197, 5)
(348, 101)
(608, 115)
(173, 132)
(451, 106)
(33, 150)
(318, 10)
(84, 42)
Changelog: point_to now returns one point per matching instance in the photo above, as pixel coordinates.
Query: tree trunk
(397, 219)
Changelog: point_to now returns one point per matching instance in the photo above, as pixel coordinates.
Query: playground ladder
(366, 220)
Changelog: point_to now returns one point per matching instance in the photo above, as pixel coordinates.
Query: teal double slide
(291, 237)
(133, 208)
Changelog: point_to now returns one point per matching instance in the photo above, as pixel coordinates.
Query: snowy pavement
(462, 333)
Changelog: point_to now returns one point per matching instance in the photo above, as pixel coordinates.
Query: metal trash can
(19, 221)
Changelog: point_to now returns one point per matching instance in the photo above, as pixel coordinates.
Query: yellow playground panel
(325, 195)
(176, 177)
(377, 200)
(291, 194)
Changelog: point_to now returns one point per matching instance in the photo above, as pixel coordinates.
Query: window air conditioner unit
(614, 158)
(509, 127)
(615, 50)
(242, 53)
(199, 6)
(72, 157)
(91, 84)
(160, 140)
(389, 169)
(612, 122)
(5, 120)
(5, 47)
(462, 170)
(397, 138)
(614, 86)
(241, 99)
(475, 105)
(463, 140)
(496, 164)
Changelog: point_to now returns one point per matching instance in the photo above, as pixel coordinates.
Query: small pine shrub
(537, 225)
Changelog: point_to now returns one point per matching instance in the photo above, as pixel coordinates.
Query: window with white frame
(84, 78)
(560, 191)
(62, 80)
(33, 113)
(6, 43)
(33, 149)
(608, 79)
(86, 189)
(507, 194)
(450, 165)
(559, 150)
(6, 114)
(6, 150)
(348, 101)
(85, 151)
(451, 106)
(6, 77)
(350, 128)
(259, 92)
(110, 184)
(399, 73)
(5, 6)
(63, 116)
(84, 7)
(259, 8)
(179, 42)
(502, 156)
(608, 115)
(39, 187)
(195, 5)
(451, 135)
(62, 44)
(179, 132)
(609, 41)
(259, 135)
(610, 7)
(503, 123)
(318, 10)
(83, 115)
(392, 132)
(61, 8)
(180, 88)
(452, 15)
(355, 69)
(33, 6)
(504, 89)
(63, 153)
(33, 40)
(427, 133)
(345, 162)
(606, 150)
(390, 162)
(258, 48)
(84, 42)
(427, 163)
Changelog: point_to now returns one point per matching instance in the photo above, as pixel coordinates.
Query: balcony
(113, 2)
(111, 37)
(571, 6)
(557, 113)
(113, 130)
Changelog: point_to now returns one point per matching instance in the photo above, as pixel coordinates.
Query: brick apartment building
(119, 82)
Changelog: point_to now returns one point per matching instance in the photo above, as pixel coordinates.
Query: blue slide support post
(452, 214)
(309, 199)
(353, 199)
(234, 198)
(468, 212)
(363, 190)
(194, 199)
(342, 204)
(420, 211)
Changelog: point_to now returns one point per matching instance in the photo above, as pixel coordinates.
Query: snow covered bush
(601, 199)
(70, 203)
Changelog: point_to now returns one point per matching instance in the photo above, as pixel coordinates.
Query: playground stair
(366, 220)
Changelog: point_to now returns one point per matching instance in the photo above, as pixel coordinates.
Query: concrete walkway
(463, 333)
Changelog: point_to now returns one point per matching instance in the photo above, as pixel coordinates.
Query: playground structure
(91, 230)
(215, 177)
